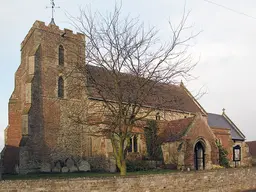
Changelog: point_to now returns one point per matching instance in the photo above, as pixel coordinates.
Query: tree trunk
(123, 168)
(119, 155)
(121, 164)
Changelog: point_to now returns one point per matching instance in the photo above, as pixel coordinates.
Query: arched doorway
(199, 156)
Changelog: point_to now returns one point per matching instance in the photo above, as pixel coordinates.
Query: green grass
(76, 175)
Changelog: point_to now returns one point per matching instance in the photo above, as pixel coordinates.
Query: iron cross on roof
(53, 7)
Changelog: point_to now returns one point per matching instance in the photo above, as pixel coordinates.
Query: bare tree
(126, 67)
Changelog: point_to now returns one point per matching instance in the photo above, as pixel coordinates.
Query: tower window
(61, 55)
(60, 87)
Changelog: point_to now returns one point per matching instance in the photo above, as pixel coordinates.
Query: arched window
(133, 144)
(60, 87)
(130, 146)
(158, 116)
(61, 55)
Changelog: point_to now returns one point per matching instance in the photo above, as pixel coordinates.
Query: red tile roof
(173, 130)
(164, 96)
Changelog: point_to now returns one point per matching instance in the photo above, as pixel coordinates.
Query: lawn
(84, 174)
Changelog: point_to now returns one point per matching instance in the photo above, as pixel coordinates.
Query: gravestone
(73, 169)
(64, 169)
(70, 163)
(45, 167)
(17, 169)
(112, 165)
(57, 167)
(84, 166)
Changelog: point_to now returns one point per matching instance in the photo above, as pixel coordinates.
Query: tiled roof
(163, 96)
(173, 130)
(222, 121)
(252, 147)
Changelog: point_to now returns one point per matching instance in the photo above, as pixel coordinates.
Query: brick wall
(225, 138)
(253, 160)
(200, 131)
(220, 180)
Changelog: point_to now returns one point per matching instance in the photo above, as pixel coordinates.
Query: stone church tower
(50, 86)
(36, 116)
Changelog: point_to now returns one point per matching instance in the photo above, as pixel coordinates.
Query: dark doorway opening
(199, 156)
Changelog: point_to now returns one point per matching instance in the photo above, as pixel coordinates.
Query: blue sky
(226, 47)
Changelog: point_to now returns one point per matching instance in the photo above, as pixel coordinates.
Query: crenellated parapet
(52, 29)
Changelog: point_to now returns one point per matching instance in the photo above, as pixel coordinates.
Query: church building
(40, 138)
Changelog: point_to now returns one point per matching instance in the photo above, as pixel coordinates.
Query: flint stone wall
(218, 180)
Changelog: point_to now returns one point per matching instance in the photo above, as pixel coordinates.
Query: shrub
(152, 141)
(170, 166)
(223, 153)
(217, 167)
(138, 165)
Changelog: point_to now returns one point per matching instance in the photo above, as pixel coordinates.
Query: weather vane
(53, 7)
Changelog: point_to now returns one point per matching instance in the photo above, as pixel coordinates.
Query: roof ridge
(234, 125)
(215, 114)
(164, 95)
(193, 98)
(129, 74)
